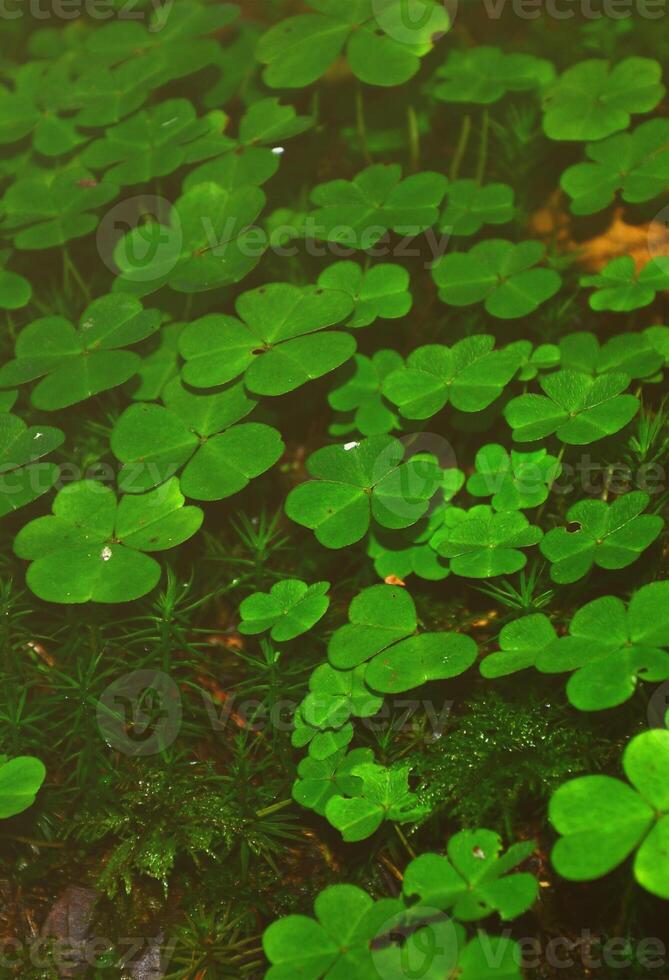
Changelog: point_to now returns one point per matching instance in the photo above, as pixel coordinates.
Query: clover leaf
(323, 742)
(75, 364)
(20, 779)
(92, 547)
(610, 536)
(397, 555)
(197, 435)
(440, 949)
(483, 75)
(382, 630)
(470, 375)
(635, 164)
(622, 287)
(499, 273)
(15, 290)
(577, 408)
(359, 212)
(248, 158)
(610, 648)
(336, 943)
(385, 795)
(379, 292)
(515, 481)
(483, 543)
(521, 642)
(358, 482)
(210, 242)
(631, 353)
(534, 360)
(22, 479)
(320, 779)
(154, 143)
(358, 391)
(53, 207)
(290, 608)
(37, 105)
(384, 41)
(472, 878)
(336, 695)
(160, 366)
(603, 820)
(591, 100)
(470, 206)
(277, 347)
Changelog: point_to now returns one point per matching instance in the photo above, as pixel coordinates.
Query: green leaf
(75, 364)
(20, 779)
(631, 353)
(419, 659)
(634, 164)
(385, 795)
(483, 75)
(53, 207)
(196, 434)
(515, 481)
(276, 345)
(357, 391)
(153, 143)
(534, 360)
(591, 100)
(498, 273)
(320, 779)
(358, 482)
(470, 206)
(22, 479)
(596, 533)
(384, 41)
(15, 290)
(621, 287)
(379, 617)
(92, 547)
(381, 291)
(578, 409)
(210, 242)
(472, 879)
(358, 213)
(484, 544)
(610, 648)
(603, 820)
(522, 642)
(335, 943)
(470, 375)
(289, 609)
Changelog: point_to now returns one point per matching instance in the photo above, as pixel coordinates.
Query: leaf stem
(414, 139)
(360, 124)
(461, 148)
(483, 148)
(406, 843)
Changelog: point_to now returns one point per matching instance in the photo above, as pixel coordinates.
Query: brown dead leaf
(642, 242)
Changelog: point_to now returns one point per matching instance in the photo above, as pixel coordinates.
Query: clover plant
(603, 820)
(498, 273)
(20, 779)
(621, 287)
(596, 533)
(333, 312)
